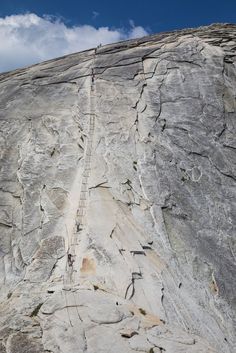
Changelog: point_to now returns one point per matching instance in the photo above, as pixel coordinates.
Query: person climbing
(93, 76)
(78, 227)
(70, 260)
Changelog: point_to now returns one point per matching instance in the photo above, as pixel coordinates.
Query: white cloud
(27, 39)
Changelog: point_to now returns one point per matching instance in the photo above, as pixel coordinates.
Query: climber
(78, 227)
(70, 260)
(93, 76)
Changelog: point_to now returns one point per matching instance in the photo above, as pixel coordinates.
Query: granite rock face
(117, 198)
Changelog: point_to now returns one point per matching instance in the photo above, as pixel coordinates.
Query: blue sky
(36, 30)
(157, 15)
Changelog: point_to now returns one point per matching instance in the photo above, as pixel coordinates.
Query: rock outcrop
(117, 198)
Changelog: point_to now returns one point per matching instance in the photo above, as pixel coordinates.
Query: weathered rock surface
(117, 198)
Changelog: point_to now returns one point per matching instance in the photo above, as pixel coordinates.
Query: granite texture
(117, 198)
